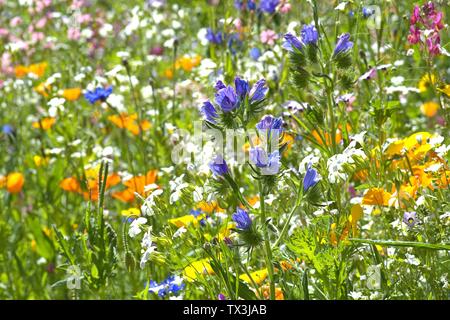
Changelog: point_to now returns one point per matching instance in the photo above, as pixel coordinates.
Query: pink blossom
(41, 23)
(3, 32)
(37, 36)
(268, 37)
(15, 21)
(285, 8)
(84, 18)
(416, 15)
(73, 33)
(414, 35)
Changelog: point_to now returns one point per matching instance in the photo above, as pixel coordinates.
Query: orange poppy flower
(44, 123)
(71, 94)
(376, 196)
(136, 184)
(13, 181)
(129, 122)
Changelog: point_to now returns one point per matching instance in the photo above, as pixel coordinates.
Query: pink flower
(285, 8)
(77, 4)
(84, 18)
(73, 33)
(268, 37)
(41, 23)
(416, 15)
(414, 35)
(3, 32)
(37, 36)
(15, 21)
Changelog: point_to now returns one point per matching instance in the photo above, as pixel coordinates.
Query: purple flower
(227, 99)
(268, 122)
(212, 37)
(291, 42)
(309, 34)
(258, 91)
(242, 219)
(209, 111)
(218, 166)
(410, 218)
(241, 87)
(343, 44)
(311, 178)
(269, 6)
(99, 94)
(221, 296)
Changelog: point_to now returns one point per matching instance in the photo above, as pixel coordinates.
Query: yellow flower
(429, 109)
(186, 220)
(43, 89)
(355, 216)
(196, 268)
(445, 89)
(258, 276)
(426, 81)
(40, 161)
(131, 212)
(188, 63)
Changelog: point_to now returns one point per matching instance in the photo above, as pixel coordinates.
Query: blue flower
(311, 178)
(309, 34)
(367, 12)
(269, 162)
(239, 4)
(209, 111)
(234, 42)
(99, 94)
(173, 285)
(212, 37)
(218, 166)
(291, 42)
(269, 122)
(241, 87)
(242, 219)
(8, 129)
(343, 44)
(255, 53)
(219, 85)
(258, 91)
(269, 6)
(227, 99)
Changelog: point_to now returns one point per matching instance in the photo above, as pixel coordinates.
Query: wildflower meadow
(224, 150)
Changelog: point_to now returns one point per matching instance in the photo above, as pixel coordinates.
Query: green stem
(268, 249)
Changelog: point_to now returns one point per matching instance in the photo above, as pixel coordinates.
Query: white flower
(179, 232)
(149, 202)
(176, 187)
(411, 259)
(135, 227)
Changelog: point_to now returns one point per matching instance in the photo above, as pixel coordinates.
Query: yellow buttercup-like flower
(197, 268)
(426, 81)
(257, 276)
